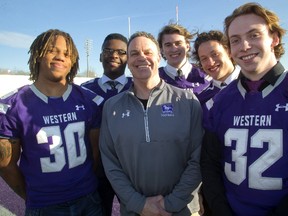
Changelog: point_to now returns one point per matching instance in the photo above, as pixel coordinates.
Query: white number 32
(274, 152)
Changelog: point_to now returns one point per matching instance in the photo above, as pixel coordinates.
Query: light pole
(88, 47)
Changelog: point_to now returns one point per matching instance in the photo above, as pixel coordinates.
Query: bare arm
(9, 170)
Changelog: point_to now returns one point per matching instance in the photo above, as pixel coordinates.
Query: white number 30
(256, 180)
(73, 135)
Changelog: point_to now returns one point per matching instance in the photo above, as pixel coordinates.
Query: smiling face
(215, 60)
(174, 49)
(56, 63)
(143, 59)
(114, 58)
(252, 45)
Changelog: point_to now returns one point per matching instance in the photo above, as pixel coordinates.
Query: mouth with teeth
(142, 66)
(175, 55)
(248, 57)
(214, 69)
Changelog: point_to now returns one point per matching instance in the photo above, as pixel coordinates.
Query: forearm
(190, 179)
(188, 184)
(14, 178)
(9, 170)
(5, 152)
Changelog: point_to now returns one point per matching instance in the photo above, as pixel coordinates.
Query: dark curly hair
(213, 35)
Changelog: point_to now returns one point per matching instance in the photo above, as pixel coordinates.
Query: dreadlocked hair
(40, 46)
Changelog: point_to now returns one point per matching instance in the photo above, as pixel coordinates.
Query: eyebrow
(173, 42)
(249, 32)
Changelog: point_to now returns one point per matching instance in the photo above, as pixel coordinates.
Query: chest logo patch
(167, 110)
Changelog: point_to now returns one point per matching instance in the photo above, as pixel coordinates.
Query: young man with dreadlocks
(52, 125)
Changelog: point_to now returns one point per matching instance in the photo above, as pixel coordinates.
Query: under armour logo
(278, 106)
(127, 114)
(196, 84)
(211, 87)
(78, 107)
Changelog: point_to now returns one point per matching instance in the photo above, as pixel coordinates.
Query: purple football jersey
(196, 80)
(56, 158)
(253, 128)
(95, 86)
(207, 99)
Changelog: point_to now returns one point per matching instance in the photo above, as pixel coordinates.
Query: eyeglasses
(109, 52)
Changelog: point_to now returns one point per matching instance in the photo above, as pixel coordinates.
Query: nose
(60, 55)
(142, 56)
(174, 46)
(245, 44)
(114, 53)
(210, 61)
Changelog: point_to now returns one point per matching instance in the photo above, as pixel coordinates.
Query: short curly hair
(40, 47)
(213, 35)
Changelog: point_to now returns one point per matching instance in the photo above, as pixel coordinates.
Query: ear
(162, 53)
(276, 40)
(159, 58)
(188, 46)
(101, 57)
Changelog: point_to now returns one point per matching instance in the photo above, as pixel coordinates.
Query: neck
(180, 64)
(230, 69)
(143, 89)
(113, 75)
(259, 72)
(51, 89)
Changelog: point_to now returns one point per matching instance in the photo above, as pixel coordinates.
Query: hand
(202, 210)
(154, 206)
